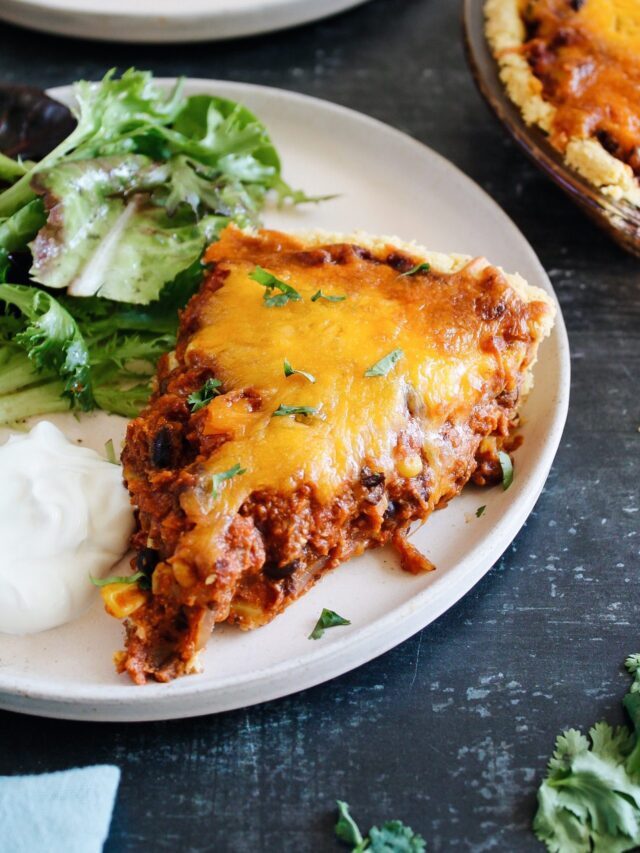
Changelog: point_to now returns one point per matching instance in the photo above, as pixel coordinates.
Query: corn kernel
(162, 578)
(410, 466)
(184, 574)
(122, 599)
(246, 613)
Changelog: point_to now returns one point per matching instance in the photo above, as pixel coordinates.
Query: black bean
(363, 254)
(390, 511)
(278, 573)
(162, 449)
(576, 5)
(399, 262)
(147, 560)
(370, 479)
(608, 141)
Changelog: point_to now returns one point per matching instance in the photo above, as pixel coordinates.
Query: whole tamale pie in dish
(564, 77)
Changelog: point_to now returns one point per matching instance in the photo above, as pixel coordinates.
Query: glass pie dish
(620, 219)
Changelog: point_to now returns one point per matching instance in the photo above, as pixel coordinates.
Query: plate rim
(131, 703)
(187, 22)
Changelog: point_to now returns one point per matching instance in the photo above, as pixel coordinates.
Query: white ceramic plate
(389, 184)
(166, 20)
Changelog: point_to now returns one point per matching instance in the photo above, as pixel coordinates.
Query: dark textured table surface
(451, 730)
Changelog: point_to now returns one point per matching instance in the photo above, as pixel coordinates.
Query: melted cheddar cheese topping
(452, 359)
(586, 56)
(614, 23)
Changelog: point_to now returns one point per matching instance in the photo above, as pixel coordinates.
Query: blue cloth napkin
(66, 812)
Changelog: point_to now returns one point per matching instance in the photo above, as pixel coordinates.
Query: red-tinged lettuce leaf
(105, 237)
(109, 112)
(31, 123)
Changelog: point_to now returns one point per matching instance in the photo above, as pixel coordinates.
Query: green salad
(113, 222)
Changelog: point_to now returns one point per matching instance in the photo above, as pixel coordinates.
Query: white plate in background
(388, 184)
(166, 20)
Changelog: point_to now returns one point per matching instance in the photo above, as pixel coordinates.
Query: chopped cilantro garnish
(110, 452)
(327, 296)
(218, 479)
(199, 399)
(382, 367)
(415, 270)
(328, 619)
(137, 576)
(590, 799)
(507, 469)
(392, 837)
(291, 371)
(271, 282)
(282, 410)
(480, 511)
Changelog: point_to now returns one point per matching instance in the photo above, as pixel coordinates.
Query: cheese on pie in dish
(326, 392)
(573, 68)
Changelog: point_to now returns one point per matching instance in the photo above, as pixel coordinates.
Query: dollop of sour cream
(64, 515)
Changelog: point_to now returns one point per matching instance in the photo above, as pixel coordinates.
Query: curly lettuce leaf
(99, 318)
(52, 340)
(202, 189)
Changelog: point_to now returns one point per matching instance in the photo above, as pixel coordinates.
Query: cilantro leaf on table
(346, 828)
(392, 837)
(590, 800)
(395, 837)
